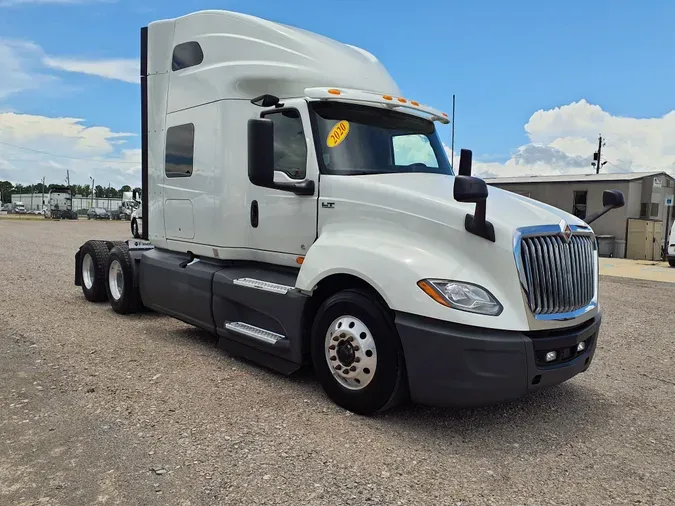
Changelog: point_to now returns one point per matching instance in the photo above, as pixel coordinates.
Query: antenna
(452, 148)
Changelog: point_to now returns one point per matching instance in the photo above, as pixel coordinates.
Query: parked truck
(137, 217)
(299, 207)
(126, 208)
(60, 204)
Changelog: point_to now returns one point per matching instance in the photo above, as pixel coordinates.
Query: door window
(290, 146)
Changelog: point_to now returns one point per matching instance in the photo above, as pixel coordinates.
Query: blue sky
(535, 81)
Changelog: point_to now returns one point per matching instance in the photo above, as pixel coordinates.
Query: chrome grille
(559, 275)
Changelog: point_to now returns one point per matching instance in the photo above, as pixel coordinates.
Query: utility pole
(43, 192)
(68, 177)
(92, 190)
(597, 156)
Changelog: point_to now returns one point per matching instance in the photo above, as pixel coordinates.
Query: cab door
(281, 221)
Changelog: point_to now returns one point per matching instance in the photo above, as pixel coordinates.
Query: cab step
(244, 329)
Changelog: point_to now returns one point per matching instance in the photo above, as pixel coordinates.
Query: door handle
(255, 214)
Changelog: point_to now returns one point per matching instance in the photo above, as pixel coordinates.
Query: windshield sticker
(337, 134)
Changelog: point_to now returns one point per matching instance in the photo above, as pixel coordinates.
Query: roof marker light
(387, 97)
(402, 100)
(415, 103)
(444, 114)
(333, 91)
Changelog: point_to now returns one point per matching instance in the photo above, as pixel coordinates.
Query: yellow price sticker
(337, 134)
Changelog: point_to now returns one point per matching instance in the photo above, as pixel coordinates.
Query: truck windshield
(355, 140)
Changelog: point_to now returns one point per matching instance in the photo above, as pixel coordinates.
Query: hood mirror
(611, 199)
(472, 189)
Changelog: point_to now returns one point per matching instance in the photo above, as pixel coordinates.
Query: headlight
(462, 296)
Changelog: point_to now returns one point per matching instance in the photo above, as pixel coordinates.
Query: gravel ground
(101, 408)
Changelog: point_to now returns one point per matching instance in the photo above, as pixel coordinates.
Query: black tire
(388, 385)
(98, 252)
(671, 262)
(121, 244)
(129, 300)
(134, 229)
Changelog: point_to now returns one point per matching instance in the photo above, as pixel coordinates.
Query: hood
(429, 197)
(503, 207)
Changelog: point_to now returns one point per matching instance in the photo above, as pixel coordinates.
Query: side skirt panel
(171, 284)
(257, 297)
(254, 309)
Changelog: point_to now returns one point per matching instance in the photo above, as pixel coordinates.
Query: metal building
(638, 230)
(33, 201)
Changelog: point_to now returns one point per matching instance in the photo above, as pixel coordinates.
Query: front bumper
(457, 365)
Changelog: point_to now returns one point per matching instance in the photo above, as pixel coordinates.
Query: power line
(614, 165)
(65, 156)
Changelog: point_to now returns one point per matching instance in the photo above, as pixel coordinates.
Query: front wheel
(357, 353)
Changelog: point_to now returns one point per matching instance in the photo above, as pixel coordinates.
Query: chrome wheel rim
(350, 352)
(88, 271)
(116, 279)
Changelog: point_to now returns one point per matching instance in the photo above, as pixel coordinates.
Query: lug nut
(335, 338)
(352, 368)
(338, 367)
(356, 348)
(333, 358)
(357, 359)
(331, 347)
(350, 338)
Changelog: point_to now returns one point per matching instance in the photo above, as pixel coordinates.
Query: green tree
(86, 190)
(125, 188)
(99, 191)
(5, 191)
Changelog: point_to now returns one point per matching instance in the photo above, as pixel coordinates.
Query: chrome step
(245, 329)
(262, 285)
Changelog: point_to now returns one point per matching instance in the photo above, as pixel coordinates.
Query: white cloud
(123, 69)
(563, 140)
(19, 61)
(83, 150)
(26, 67)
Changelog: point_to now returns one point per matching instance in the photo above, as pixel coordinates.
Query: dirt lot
(100, 408)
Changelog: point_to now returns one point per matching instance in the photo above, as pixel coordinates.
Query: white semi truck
(60, 204)
(299, 207)
(137, 217)
(126, 208)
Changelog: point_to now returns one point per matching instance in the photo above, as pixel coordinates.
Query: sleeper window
(179, 158)
(290, 146)
(187, 54)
